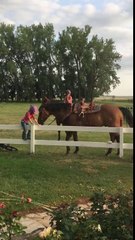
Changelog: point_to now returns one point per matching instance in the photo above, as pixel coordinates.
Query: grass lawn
(51, 177)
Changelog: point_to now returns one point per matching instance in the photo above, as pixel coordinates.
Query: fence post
(32, 139)
(121, 142)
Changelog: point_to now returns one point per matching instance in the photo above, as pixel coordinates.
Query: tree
(8, 69)
(42, 42)
(34, 64)
(24, 60)
(87, 66)
(101, 74)
(72, 45)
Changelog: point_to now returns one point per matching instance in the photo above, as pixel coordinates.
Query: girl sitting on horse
(68, 98)
(82, 106)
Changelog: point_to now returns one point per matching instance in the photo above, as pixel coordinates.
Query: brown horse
(108, 115)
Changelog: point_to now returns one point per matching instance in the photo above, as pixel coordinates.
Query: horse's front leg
(75, 137)
(58, 131)
(58, 135)
(68, 136)
(117, 138)
(113, 137)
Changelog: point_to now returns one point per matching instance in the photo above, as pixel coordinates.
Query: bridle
(46, 112)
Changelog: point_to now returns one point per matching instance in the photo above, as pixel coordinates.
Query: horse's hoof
(75, 152)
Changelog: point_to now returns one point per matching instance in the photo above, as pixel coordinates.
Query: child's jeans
(26, 132)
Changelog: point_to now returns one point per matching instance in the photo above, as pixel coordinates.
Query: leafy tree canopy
(34, 63)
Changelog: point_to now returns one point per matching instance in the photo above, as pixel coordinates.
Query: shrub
(9, 222)
(109, 218)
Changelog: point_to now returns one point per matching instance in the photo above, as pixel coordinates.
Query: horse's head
(58, 109)
(43, 113)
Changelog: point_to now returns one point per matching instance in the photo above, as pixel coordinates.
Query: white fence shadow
(33, 142)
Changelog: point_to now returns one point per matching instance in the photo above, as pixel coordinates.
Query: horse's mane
(57, 106)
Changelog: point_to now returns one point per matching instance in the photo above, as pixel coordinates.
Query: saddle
(77, 109)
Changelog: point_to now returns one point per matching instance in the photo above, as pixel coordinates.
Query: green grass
(51, 177)
(119, 102)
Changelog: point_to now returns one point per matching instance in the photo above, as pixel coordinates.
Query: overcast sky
(108, 19)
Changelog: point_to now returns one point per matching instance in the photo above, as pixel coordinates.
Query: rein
(66, 117)
(61, 121)
(48, 115)
(52, 121)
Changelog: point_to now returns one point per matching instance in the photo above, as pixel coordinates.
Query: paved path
(33, 221)
(36, 222)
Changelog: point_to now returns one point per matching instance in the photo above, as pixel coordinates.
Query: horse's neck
(61, 116)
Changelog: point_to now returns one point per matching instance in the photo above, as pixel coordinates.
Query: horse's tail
(127, 115)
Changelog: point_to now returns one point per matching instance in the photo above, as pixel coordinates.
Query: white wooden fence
(34, 141)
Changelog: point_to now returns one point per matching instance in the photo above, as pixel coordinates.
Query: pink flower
(29, 200)
(14, 213)
(2, 205)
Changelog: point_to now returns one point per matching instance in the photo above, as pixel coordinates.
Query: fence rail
(33, 142)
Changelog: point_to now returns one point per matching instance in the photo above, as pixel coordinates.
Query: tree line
(34, 63)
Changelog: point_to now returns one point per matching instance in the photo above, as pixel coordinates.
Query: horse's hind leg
(112, 138)
(117, 137)
(75, 137)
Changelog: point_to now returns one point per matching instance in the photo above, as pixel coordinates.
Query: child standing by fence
(27, 119)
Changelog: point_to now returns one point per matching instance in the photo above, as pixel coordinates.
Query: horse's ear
(45, 100)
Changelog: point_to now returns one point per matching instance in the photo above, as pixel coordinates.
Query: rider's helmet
(33, 109)
(68, 91)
